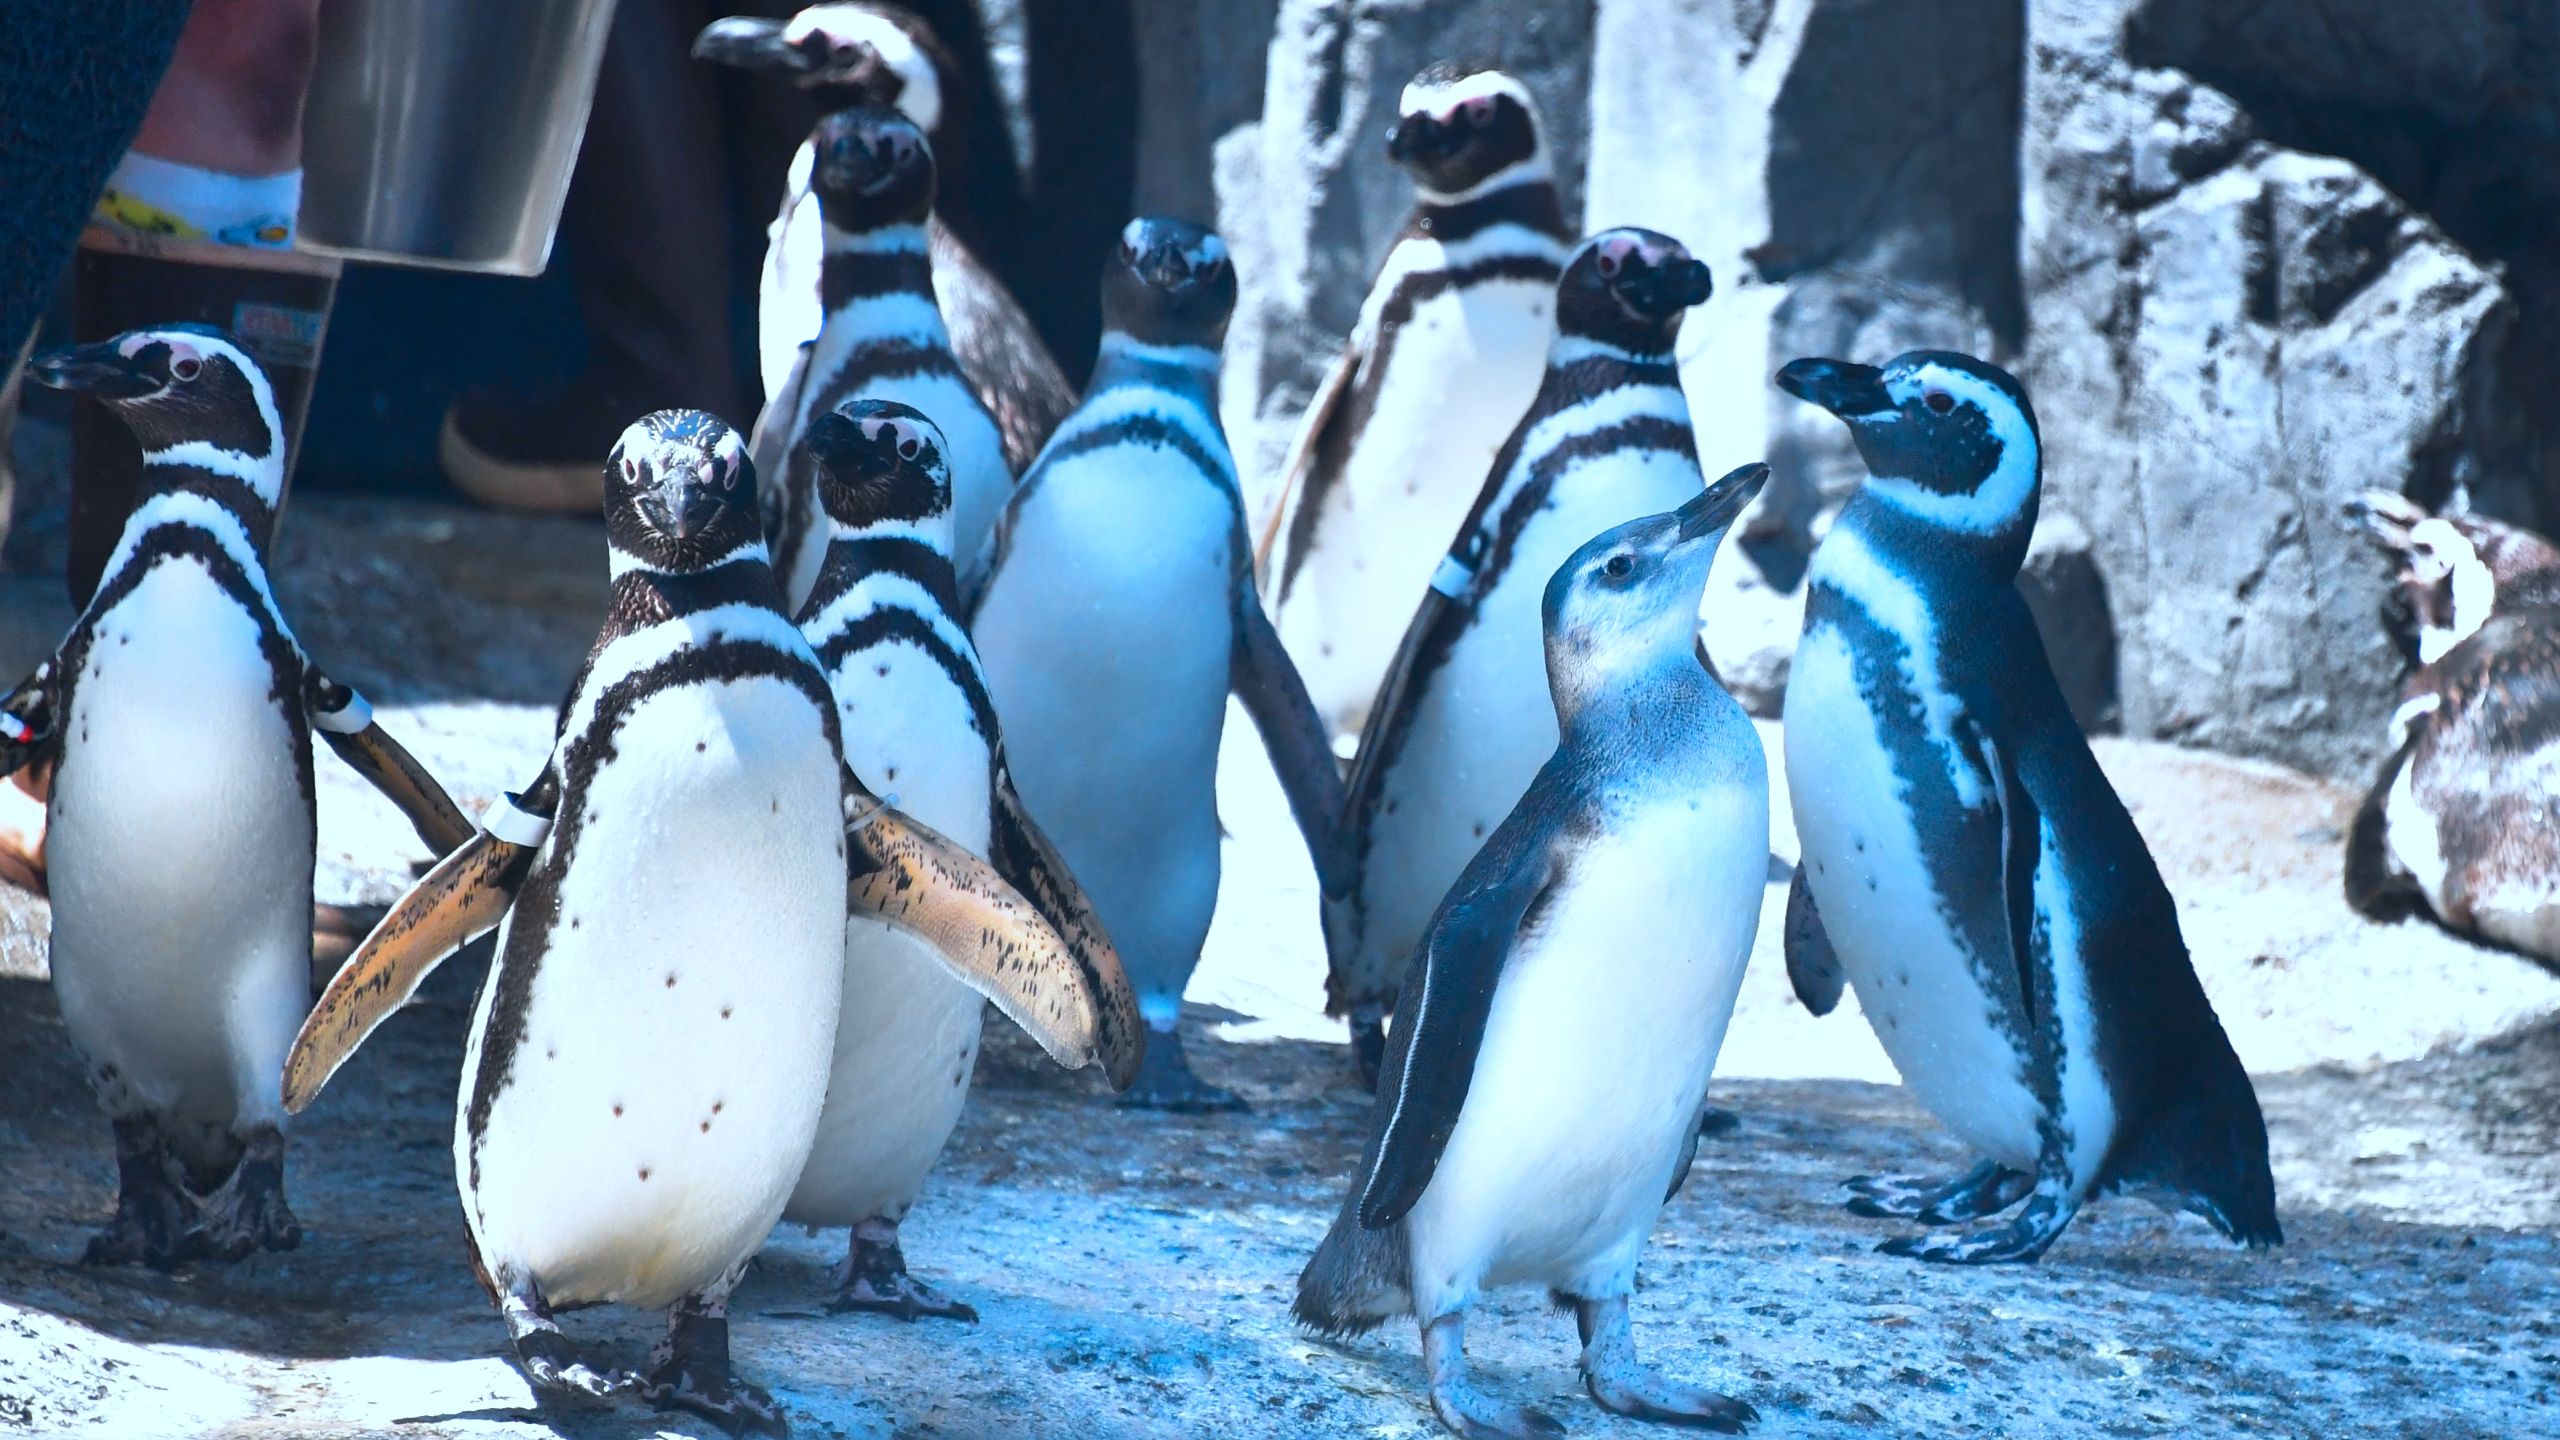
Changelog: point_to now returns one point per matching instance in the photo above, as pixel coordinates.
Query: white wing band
(352, 718)
(2411, 711)
(508, 821)
(1453, 577)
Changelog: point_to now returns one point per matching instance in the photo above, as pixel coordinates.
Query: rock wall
(2248, 259)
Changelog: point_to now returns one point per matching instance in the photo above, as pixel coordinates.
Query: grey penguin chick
(177, 716)
(2462, 825)
(1969, 868)
(1554, 1034)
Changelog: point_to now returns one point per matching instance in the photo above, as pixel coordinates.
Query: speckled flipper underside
(989, 937)
(463, 897)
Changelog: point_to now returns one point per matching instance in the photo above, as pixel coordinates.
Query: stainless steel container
(442, 132)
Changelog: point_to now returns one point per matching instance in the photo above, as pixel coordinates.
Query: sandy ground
(1133, 1271)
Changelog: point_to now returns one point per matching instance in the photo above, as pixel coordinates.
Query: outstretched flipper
(345, 720)
(1813, 967)
(1026, 859)
(461, 899)
(989, 937)
(1266, 680)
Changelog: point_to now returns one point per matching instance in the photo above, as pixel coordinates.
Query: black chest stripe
(853, 275)
(891, 625)
(850, 562)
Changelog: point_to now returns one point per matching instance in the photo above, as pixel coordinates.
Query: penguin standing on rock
(1557, 1027)
(1450, 348)
(1117, 614)
(857, 52)
(177, 716)
(917, 723)
(649, 1056)
(1457, 730)
(882, 338)
(2463, 824)
(1966, 864)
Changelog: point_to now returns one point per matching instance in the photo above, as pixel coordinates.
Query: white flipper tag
(15, 730)
(508, 821)
(1453, 577)
(353, 718)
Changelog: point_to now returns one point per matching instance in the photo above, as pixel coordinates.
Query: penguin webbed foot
(689, 1371)
(1466, 1410)
(874, 1280)
(1986, 1189)
(1623, 1385)
(1167, 1082)
(2020, 1242)
(249, 1212)
(156, 1220)
(554, 1365)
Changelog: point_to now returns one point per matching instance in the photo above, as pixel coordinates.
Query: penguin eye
(1939, 401)
(1619, 566)
(186, 367)
(1479, 110)
(909, 446)
(631, 470)
(1608, 263)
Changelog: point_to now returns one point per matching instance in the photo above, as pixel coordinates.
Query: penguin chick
(1968, 867)
(177, 715)
(2463, 823)
(1556, 1029)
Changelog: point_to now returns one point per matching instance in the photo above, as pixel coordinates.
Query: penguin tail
(2207, 1152)
(1357, 1280)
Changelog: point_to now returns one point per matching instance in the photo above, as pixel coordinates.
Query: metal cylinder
(442, 132)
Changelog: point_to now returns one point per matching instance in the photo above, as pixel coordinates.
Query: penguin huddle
(913, 702)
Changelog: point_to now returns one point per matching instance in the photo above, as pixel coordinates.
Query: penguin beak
(1715, 508)
(838, 445)
(750, 42)
(1666, 288)
(101, 370)
(1418, 138)
(1848, 390)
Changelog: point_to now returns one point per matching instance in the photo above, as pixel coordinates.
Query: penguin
(917, 722)
(649, 1054)
(1557, 1026)
(1457, 733)
(1968, 867)
(177, 717)
(882, 338)
(1449, 351)
(2463, 823)
(878, 54)
(1117, 614)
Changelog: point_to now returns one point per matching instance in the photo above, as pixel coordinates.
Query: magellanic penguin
(177, 717)
(1448, 353)
(882, 338)
(1559, 1022)
(1457, 731)
(877, 54)
(917, 725)
(1117, 614)
(2463, 824)
(649, 1055)
(1966, 864)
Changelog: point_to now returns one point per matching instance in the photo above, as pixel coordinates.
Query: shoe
(544, 455)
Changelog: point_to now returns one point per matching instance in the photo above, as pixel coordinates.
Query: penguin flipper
(1813, 967)
(346, 721)
(2377, 888)
(1026, 859)
(2021, 849)
(462, 898)
(1264, 678)
(27, 719)
(999, 351)
(1442, 1012)
(1295, 488)
(988, 936)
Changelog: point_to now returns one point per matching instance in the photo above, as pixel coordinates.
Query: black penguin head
(1628, 289)
(881, 463)
(2451, 573)
(1626, 604)
(870, 166)
(850, 53)
(181, 384)
(679, 494)
(1457, 128)
(1949, 439)
(1170, 283)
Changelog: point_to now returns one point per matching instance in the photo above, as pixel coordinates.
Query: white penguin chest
(671, 1052)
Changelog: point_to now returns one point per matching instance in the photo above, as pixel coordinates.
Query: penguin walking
(917, 723)
(1966, 864)
(1457, 733)
(1558, 1024)
(1449, 350)
(649, 1056)
(1118, 613)
(2463, 823)
(177, 716)
(858, 52)
(882, 338)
